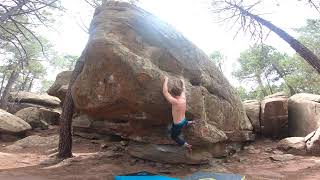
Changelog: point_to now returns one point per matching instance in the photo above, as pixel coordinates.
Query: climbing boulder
(304, 114)
(127, 56)
(252, 108)
(60, 86)
(11, 124)
(274, 115)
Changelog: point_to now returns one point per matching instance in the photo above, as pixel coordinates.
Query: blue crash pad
(143, 176)
(214, 176)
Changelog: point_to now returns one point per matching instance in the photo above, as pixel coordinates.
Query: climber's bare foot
(190, 123)
(189, 147)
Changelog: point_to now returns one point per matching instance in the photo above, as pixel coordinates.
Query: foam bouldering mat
(214, 176)
(143, 176)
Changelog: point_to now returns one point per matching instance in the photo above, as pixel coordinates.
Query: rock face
(252, 108)
(274, 116)
(128, 54)
(304, 114)
(60, 86)
(12, 124)
(33, 98)
(39, 117)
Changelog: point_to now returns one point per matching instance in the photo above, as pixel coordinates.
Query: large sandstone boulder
(304, 114)
(252, 108)
(39, 117)
(12, 124)
(33, 98)
(60, 86)
(274, 115)
(128, 54)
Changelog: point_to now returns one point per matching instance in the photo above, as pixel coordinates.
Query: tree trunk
(2, 82)
(261, 85)
(281, 74)
(30, 84)
(65, 139)
(269, 86)
(302, 50)
(24, 83)
(4, 98)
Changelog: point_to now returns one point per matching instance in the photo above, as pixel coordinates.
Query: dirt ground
(93, 163)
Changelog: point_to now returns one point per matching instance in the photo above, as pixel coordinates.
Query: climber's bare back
(178, 102)
(179, 109)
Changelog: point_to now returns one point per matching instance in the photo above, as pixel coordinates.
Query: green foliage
(64, 62)
(268, 71)
(218, 59)
(45, 85)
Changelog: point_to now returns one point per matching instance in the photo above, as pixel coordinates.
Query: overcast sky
(194, 20)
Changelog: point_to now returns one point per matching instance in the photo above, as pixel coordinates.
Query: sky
(192, 18)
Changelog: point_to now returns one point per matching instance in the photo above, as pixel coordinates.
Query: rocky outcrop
(274, 116)
(12, 124)
(60, 86)
(39, 117)
(252, 108)
(128, 54)
(304, 114)
(33, 98)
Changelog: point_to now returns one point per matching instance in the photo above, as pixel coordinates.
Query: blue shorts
(176, 131)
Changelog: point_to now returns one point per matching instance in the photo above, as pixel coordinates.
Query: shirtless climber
(177, 98)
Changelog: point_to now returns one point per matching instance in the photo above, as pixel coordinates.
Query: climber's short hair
(176, 90)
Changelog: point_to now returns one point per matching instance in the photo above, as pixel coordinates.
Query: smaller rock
(34, 98)
(159, 165)
(50, 151)
(39, 117)
(254, 151)
(36, 141)
(193, 169)
(13, 147)
(268, 150)
(277, 152)
(133, 162)
(124, 143)
(8, 138)
(60, 85)
(53, 154)
(152, 164)
(11, 124)
(82, 121)
(250, 147)
(167, 154)
(97, 141)
(50, 161)
(282, 157)
(293, 145)
(87, 135)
